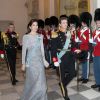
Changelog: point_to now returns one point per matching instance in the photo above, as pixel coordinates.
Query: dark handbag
(82, 56)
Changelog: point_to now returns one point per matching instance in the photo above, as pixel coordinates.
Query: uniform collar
(10, 33)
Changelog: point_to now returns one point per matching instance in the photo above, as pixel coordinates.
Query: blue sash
(65, 47)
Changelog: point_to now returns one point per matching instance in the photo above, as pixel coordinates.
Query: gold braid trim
(54, 34)
(4, 37)
(17, 35)
(61, 84)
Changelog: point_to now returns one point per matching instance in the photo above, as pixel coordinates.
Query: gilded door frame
(88, 5)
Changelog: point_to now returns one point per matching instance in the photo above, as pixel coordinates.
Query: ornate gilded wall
(57, 7)
(74, 6)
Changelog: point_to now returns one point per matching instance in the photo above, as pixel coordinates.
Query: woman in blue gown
(33, 61)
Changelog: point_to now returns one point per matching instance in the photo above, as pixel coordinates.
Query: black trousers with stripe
(11, 59)
(67, 71)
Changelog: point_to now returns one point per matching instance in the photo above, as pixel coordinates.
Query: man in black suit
(64, 56)
(10, 44)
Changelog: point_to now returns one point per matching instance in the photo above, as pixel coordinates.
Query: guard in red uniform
(74, 26)
(96, 51)
(83, 39)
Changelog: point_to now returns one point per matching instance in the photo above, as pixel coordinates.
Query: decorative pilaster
(32, 8)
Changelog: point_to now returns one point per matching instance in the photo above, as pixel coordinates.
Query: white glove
(91, 40)
(77, 51)
(56, 64)
(2, 56)
(77, 39)
(97, 33)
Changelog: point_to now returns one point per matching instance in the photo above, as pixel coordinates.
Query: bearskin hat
(97, 14)
(64, 15)
(74, 19)
(54, 21)
(40, 23)
(86, 17)
(47, 21)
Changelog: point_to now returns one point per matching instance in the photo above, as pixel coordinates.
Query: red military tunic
(74, 36)
(84, 38)
(96, 39)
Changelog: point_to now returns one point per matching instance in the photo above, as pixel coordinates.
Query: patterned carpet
(9, 92)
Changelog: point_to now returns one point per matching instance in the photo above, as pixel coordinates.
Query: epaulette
(17, 35)
(54, 34)
(3, 35)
